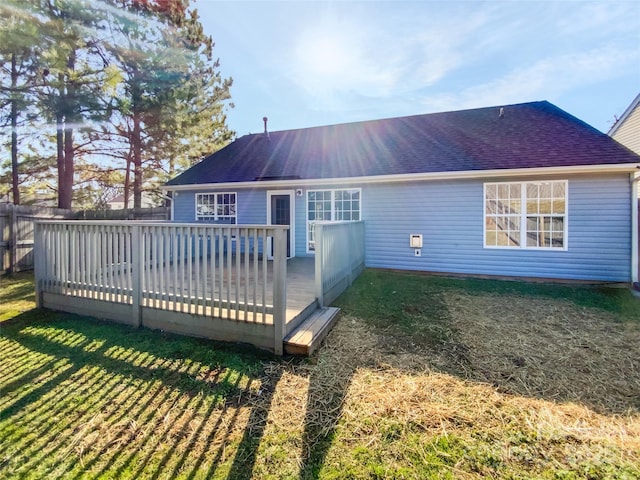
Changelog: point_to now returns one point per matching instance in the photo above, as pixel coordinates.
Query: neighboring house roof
(528, 135)
(118, 201)
(626, 130)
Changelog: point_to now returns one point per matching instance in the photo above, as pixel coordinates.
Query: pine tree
(19, 77)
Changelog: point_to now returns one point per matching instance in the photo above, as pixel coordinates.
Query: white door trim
(292, 217)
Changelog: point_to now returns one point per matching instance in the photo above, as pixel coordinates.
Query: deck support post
(137, 259)
(279, 289)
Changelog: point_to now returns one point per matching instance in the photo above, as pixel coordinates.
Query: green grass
(83, 398)
(381, 399)
(415, 304)
(16, 294)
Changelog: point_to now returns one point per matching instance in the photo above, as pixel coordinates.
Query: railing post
(317, 237)
(137, 259)
(279, 288)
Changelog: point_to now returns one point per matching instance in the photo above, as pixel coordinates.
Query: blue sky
(304, 64)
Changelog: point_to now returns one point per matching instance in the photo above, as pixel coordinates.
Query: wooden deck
(307, 325)
(203, 280)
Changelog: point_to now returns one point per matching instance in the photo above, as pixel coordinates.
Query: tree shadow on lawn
(83, 397)
(555, 393)
(529, 343)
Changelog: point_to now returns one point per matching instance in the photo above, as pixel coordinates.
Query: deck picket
(244, 233)
(264, 274)
(255, 273)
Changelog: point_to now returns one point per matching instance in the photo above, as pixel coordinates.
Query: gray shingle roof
(529, 135)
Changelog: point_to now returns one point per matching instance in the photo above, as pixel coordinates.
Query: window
(330, 206)
(525, 215)
(216, 207)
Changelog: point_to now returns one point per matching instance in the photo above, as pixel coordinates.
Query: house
(626, 130)
(117, 202)
(523, 190)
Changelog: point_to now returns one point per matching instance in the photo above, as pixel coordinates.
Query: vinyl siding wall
(251, 208)
(450, 217)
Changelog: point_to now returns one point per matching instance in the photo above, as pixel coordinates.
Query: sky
(304, 64)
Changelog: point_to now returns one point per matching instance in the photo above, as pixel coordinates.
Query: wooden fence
(156, 213)
(16, 234)
(340, 257)
(16, 228)
(204, 280)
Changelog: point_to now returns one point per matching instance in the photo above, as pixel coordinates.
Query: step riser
(308, 337)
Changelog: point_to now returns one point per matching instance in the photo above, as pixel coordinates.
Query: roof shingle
(529, 135)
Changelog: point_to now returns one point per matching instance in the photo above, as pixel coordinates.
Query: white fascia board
(414, 177)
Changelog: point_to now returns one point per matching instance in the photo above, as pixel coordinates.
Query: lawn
(422, 377)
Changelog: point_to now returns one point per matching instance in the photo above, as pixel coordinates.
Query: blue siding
(252, 206)
(449, 215)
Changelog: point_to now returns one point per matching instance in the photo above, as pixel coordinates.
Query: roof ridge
(401, 117)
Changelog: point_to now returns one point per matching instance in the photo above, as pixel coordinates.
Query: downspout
(635, 178)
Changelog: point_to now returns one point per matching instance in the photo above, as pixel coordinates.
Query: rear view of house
(522, 190)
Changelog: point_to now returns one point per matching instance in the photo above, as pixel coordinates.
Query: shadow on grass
(85, 398)
(325, 399)
(82, 397)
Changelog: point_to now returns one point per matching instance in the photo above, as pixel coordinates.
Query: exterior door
(280, 211)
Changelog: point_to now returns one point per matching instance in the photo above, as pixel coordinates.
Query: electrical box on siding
(415, 240)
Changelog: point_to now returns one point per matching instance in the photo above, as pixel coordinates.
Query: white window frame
(333, 191)
(523, 216)
(216, 217)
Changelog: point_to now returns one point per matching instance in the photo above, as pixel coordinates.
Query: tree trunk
(66, 193)
(127, 179)
(15, 185)
(60, 146)
(136, 141)
(65, 177)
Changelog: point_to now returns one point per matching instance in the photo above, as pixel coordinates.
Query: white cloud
(546, 79)
(333, 57)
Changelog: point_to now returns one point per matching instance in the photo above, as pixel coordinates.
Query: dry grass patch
(377, 415)
(517, 384)
(551, 349)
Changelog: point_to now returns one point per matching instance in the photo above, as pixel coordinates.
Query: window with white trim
(216, 207)
(526, 215)
(331, 206)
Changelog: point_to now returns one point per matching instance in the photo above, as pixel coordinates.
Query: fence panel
(17, 228)
(17, 234)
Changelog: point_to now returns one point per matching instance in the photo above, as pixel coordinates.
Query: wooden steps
(308, 336)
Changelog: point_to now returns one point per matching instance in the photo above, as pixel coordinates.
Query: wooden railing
(138, 272)
(340, 257)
